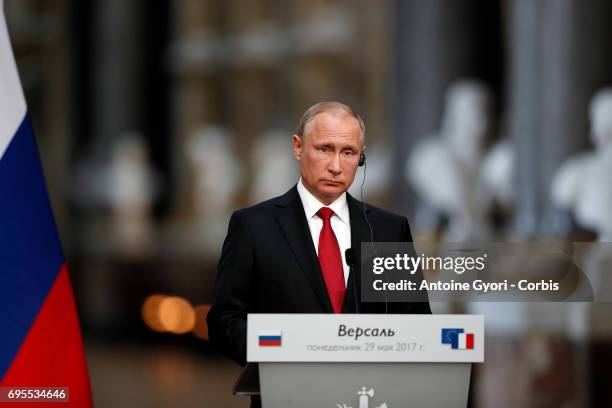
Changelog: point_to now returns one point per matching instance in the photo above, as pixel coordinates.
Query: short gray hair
(329, 106)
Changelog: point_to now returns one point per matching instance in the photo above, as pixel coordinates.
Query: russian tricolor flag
(270, 338)
(40, 339)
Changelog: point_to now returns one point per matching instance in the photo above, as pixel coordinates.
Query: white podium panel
(378, 361)
(369, 385)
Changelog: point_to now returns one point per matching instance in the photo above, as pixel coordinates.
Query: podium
(365, 361)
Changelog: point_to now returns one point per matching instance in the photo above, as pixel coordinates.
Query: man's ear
(297, 147)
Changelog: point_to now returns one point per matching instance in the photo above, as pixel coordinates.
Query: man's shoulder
(375, 212)
(388, 226)
(269, 206)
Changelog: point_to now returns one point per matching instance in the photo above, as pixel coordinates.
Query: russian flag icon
(270, 338)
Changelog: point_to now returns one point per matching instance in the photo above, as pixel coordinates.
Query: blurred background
(486, 120)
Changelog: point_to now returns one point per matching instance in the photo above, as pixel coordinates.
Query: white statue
(582, 183)
(583, 186)
(453, 171)
(214, 180)
(130, 188)
(273, 164)
(215, 171)
(497, 173)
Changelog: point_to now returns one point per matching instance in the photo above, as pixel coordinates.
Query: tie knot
(325, 213)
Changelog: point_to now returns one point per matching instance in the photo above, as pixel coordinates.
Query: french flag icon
(465, 341)
(270, 338)
(458, 339)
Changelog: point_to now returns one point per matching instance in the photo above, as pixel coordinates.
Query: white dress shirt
(340, 222)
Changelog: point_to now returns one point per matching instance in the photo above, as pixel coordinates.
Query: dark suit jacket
(269, 265)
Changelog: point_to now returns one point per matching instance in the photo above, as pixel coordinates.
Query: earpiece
(362, 160)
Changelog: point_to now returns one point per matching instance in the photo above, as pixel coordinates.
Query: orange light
(150, 312)
(201, 327)
(176, 315)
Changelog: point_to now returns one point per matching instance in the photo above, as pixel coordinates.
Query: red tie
(331, 261)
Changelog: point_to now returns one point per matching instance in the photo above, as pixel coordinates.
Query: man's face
(328, 153)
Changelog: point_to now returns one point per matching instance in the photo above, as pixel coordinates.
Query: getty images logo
(458, 339)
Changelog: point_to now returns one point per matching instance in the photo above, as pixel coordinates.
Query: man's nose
(334, 165)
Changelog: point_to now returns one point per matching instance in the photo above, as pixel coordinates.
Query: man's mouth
(332, 182)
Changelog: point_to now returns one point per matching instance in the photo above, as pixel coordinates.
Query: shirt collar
(311, 204)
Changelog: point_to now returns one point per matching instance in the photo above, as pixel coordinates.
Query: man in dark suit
(286, 255)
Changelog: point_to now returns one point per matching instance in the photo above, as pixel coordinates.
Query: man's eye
(323, 149)
(348, 152)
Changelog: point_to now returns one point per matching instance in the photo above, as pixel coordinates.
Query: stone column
(523, 103)
(117, 48)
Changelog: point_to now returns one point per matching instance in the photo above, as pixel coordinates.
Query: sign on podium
(376, 361)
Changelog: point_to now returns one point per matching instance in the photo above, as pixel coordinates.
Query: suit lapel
(292, 220)
(360, 232)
